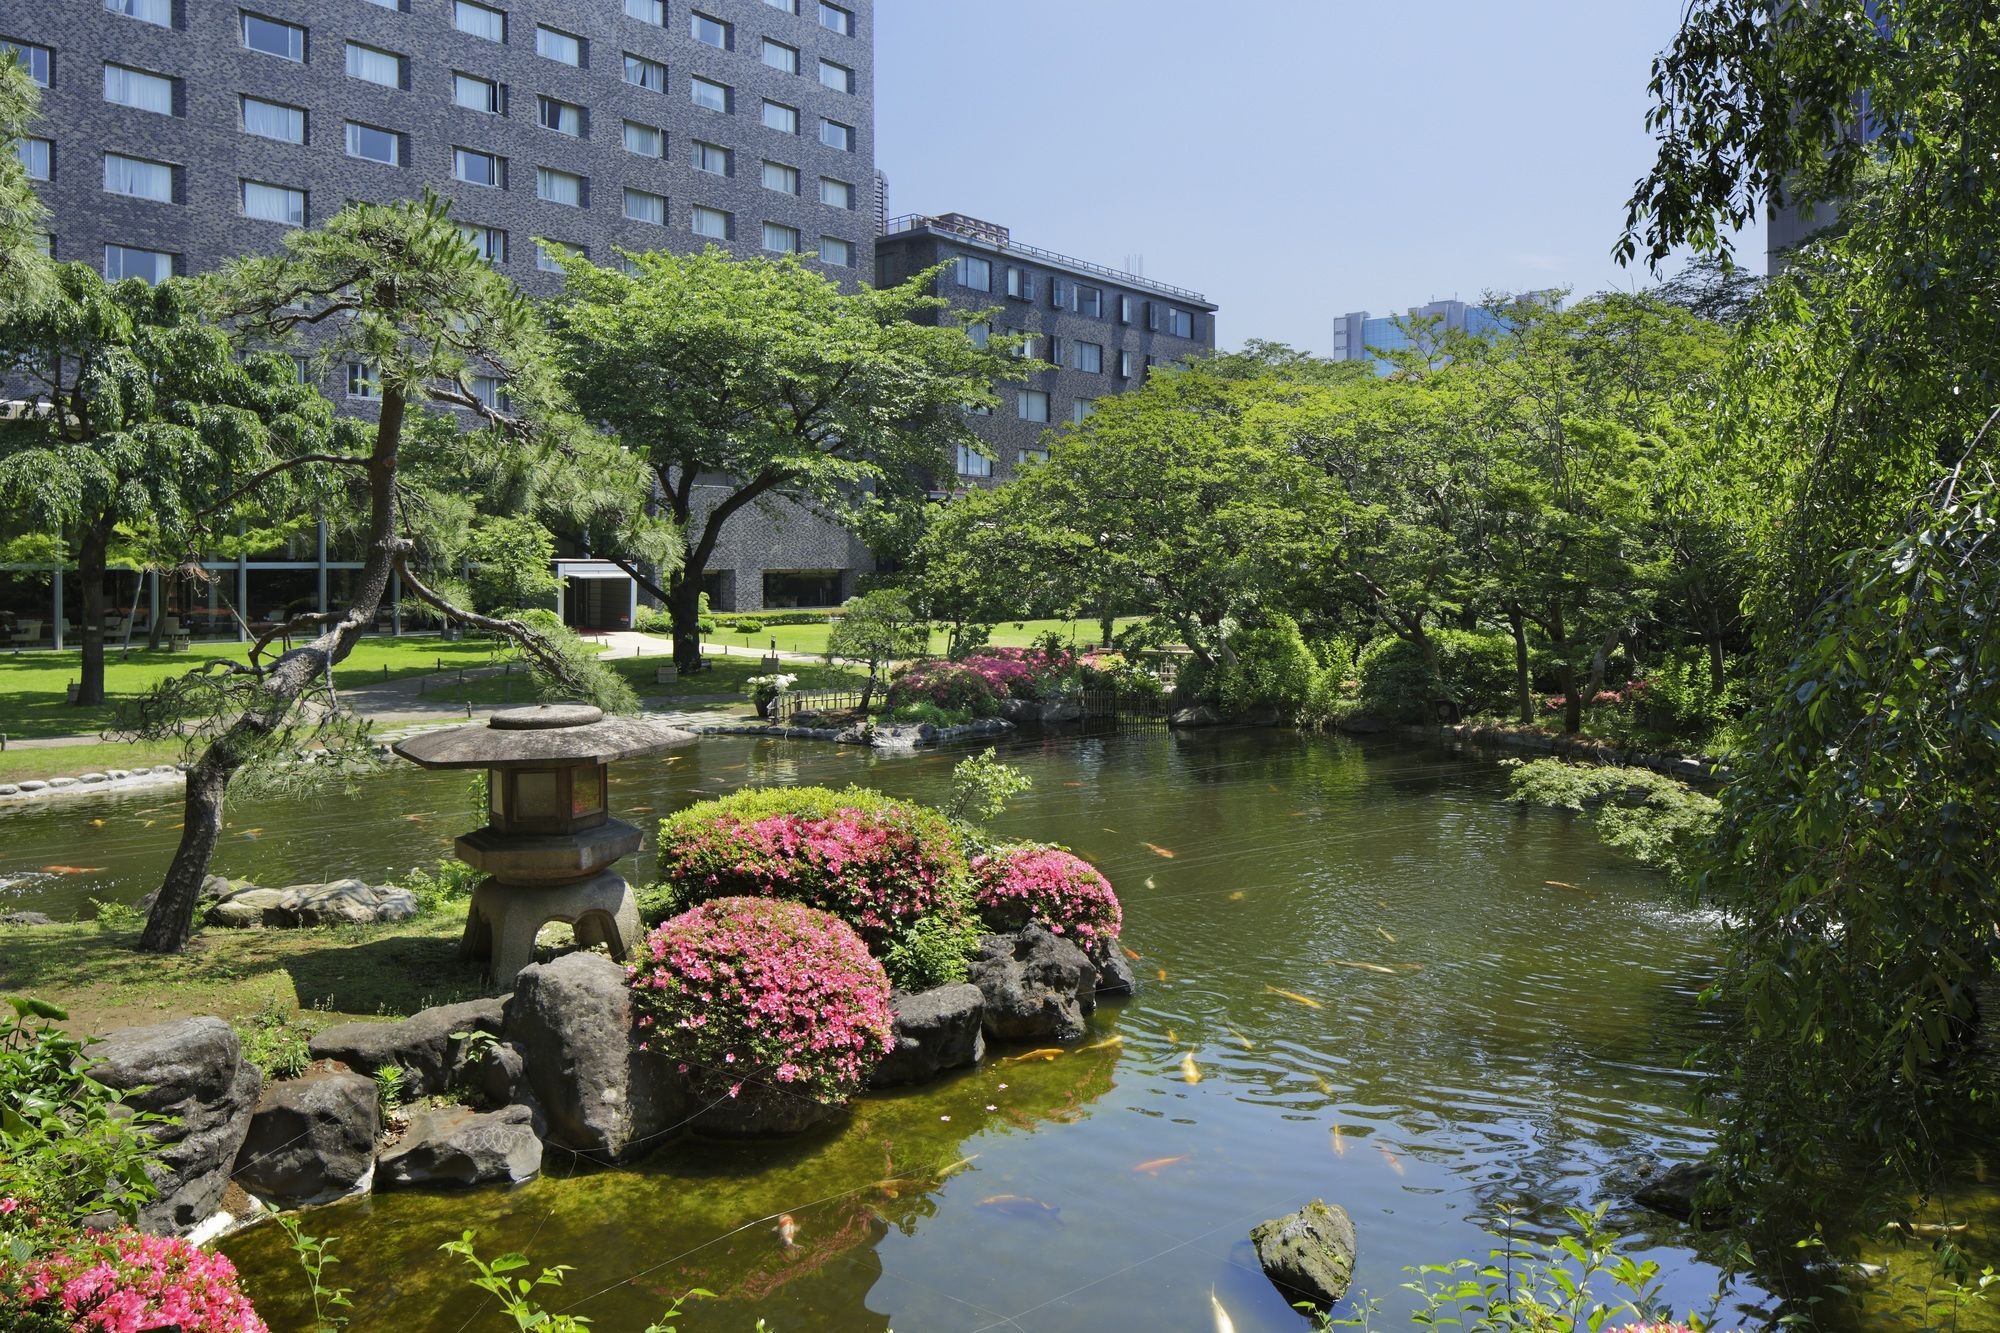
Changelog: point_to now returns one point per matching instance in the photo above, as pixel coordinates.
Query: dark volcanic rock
(311, 1138)
(421, 1043)
(1114, 973)
(1034, 984)
(936, 1030)
(1308, 1255)
(453, 1145)
(194, 1070)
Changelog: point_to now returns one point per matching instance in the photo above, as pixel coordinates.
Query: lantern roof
(541, 736)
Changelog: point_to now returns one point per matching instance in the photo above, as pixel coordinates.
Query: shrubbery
(973, 685)
(1474, 670)
(1657, 820)
(896, 872)
(1051, 885)
(751, 990)
(126, 1282)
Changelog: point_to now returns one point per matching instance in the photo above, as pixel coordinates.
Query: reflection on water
(1484, 1009)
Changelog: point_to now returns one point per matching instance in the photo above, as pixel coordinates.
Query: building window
(479, 20)
(564, 47)
(1153, 311)
(477, 94)
(833, 250)
(643, 73)
(712, 158)
(1090, 301)
(707, 93)
(562, 117)
(549, 255)
(781, 57)
(647, 11)
(491, 391)
(643, 207)
(1032, 405)
(1020, 284)
(837, 77)
(1024, 350)
(274, 120)
(477, 168)
(561, 187)
(779, 177)
(708, 31)
(979, 409)
(1126, 362)
(979, 335)
(710, 222)
(1081, 409)
(489, 242)
(781, 239)
(125, 261)
(286, 41)
(836, 135)
(160, 13)
(972, 463)
(139, 90)
(782, 118)
(1087, 356)
(789, 6)
(1180, 323)
(372, 144)
(1124, 310)
(973, 272)
(1057, 348)
(835, 194)
(138, 177)
(835, 19)
(373, 65)
(1023, 456)
(645, 140)
(363, 380)
(274, 203)
(1059, 293)
(35, 155)
(400, 6)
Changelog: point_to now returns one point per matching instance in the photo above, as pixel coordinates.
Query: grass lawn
(812, 638)
(33, 684)
(726, 675)
(333, 975)
(67, 761)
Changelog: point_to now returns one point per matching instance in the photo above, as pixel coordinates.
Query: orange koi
(1190, 1072)
(1162, 974)
(1395, 1162)
(1153, 1166)
(1339, 1144)
(97, 823)
(1237, 896)
(1158, 850)
(788, 1231)
(1131, 953)
(72, 870)
(1306, 1000)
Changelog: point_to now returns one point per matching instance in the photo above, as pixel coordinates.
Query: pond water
(1532, 1056)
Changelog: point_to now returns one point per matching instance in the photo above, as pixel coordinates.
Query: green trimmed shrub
(1475, 670)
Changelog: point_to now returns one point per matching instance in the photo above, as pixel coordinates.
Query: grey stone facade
(202, 50)
(1048, 296)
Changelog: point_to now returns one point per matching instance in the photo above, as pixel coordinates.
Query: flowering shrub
(1102, 670)
(129, 1282)
(763, 689)
(951, 687)
(747, 990)
(895, 872)
(1051, 885)
(977, 682)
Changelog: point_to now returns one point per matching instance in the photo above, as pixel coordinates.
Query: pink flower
(1051, 885)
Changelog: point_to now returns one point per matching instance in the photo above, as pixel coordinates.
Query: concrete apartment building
(177, 133)
(1100, 329)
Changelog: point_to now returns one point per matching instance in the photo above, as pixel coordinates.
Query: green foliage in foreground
(1655, 818)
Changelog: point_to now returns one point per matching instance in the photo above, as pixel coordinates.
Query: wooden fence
(793, 702)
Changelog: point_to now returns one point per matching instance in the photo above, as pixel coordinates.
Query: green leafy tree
(141, 415)
(25, 275)
(748, 382)
(878, 628)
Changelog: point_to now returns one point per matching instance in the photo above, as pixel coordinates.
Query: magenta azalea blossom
(134, 1283)
(1051, 885)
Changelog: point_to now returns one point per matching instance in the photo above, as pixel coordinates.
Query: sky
(1290, 159)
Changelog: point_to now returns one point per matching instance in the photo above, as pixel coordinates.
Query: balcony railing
(925, 221)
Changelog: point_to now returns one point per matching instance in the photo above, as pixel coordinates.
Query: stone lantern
(549, 840)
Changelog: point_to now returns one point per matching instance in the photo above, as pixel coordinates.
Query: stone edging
(1687, 768)
(111, 779)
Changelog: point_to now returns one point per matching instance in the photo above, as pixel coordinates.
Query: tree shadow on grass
(393, 977)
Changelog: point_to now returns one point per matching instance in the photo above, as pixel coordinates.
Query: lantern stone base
(503, 920)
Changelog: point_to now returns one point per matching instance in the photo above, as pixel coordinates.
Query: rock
(1034, 985)
(25, 919)
(311, 1139)
(936, 1030)
(90, 777)
(1308, 1255)
(903, 736)
(34, 784)
(760, 1113)
(453, 1145)
(1018, 711)
(1363, 724)
(1062, 708)
(246, 909)
(604, 1097)
(340, 902)
(62, 782)
(194, 1070)
(213, 888)
(1677, 1193)
(496, 1076)
(1114, 972)
(9, 789)
(117, 774)
(1201, 715)
(421, 1043)
(393, 904)
(861, 733)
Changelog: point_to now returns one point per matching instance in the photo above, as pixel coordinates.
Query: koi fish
(1020, 1205)
(1395, 1162)
(642, 809)
(1295, 814)
(415, 819)
(1190, 1072)
(1339, 1144)
(1932, 1228)
(72, 870)
(1237, 896)
(1153, 1166)
(1073, 784)
(148, 823)
(1382, 903)
(956, 1167)
(1158, 850)
(1110, 830)
(1223, 1323)
(97, 823)
(1162, 974)
(1325, 1087)
(251, 834)
(787, 1230)
(1385, 934)
(1105, 1045)
(1561, 884)
(1244, 1041)
(1365, 967)
(1041, 1053)
(1306, 1000)
(1149, 882)
(1131, 953)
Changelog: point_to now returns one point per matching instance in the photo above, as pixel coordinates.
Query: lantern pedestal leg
(503, 919)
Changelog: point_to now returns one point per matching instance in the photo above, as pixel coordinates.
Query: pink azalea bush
(893, 871)
(1051, 885)
(129, 1282)
(751, 991)
(977, 682)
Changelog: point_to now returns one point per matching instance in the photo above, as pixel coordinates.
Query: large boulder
(422, 1043)
(246, 909)
(604, 1098)
(25, 919)
(1680, 1191)
(755, 1112)
(936, 1030)
(193, 1070)
(1199, 715)
(343, 902)
(212, 888)
(311, 1139)
(454, 1145)
(1034, 985)
(1308, 1255)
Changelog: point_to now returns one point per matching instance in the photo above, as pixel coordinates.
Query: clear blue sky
(1291, 159)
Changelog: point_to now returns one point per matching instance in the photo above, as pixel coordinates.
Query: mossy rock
(1308, 1255)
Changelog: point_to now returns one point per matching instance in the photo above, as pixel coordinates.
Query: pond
(1530, 1056)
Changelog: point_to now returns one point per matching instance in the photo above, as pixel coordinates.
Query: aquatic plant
(127, 1282)
(753, 991)
(1051, 885)
(888, 868)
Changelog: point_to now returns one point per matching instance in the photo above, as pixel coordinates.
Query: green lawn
(67, 761)
(726, 675)
(812, 638)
